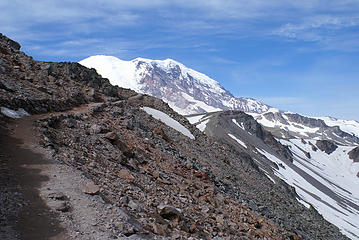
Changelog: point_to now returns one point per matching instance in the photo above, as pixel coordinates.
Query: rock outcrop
(326, 146)
(354, 154)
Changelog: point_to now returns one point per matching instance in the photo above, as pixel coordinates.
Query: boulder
(169, 212)
(159, 229)
(91, 188)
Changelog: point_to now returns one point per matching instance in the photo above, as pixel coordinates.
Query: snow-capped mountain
(170, 179)
(319, 161)
(185, 90)
(318, 157)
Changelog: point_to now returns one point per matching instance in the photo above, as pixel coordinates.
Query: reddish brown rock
(91, 188)
(126, 175)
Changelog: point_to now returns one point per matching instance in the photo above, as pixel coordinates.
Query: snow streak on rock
(163, 117)
(335, 171)
(327, 181)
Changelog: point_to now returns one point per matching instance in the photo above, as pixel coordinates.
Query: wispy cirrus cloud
(254, 47)
(316, 28)
(187, 17)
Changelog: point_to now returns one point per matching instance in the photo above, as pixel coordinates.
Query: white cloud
(317, 28)
(225, 60)
(220, 16)
(34, 22)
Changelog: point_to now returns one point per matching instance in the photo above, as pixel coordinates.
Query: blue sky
(300, 56)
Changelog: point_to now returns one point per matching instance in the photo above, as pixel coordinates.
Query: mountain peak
(186, 90)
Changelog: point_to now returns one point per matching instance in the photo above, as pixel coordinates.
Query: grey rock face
(11, 43)
(254, 128)
(310, 122)
(326, 146)
(354, 154)
(289, 125)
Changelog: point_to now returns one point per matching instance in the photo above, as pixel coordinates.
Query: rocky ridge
(300, 161)
(291, 125)
(167, 185)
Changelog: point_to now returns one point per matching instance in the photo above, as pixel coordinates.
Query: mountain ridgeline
(184, 89)
(229, 178)
(301, 150)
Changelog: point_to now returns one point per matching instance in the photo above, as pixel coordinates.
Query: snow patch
(239, 125)
(349, 126)
(195, 119)
(119, 72)
(270, 178)
(14, 114)
(163, 117)
(202, 125)
(327, 170)
(289, 126)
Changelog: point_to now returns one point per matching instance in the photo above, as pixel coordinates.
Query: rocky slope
(159, 183)
(185, 90)
(324, 172)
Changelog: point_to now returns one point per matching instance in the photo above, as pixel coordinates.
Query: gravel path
(43, 199)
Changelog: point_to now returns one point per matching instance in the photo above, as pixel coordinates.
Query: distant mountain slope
(292, 125)
(185, 90)
(316, 156)
(349, 126)
(317, 160)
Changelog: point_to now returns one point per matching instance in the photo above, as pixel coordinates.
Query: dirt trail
(28, 176)
(24, 212)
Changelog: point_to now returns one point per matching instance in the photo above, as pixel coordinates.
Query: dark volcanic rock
(253, 127)
(139, 163)
(169, 212)
(314, 148)
(326, 146)
(310, 122)
(40, 87)
(354, 154)
(11, 43)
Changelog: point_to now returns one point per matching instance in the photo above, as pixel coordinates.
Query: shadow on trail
(22, 209)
